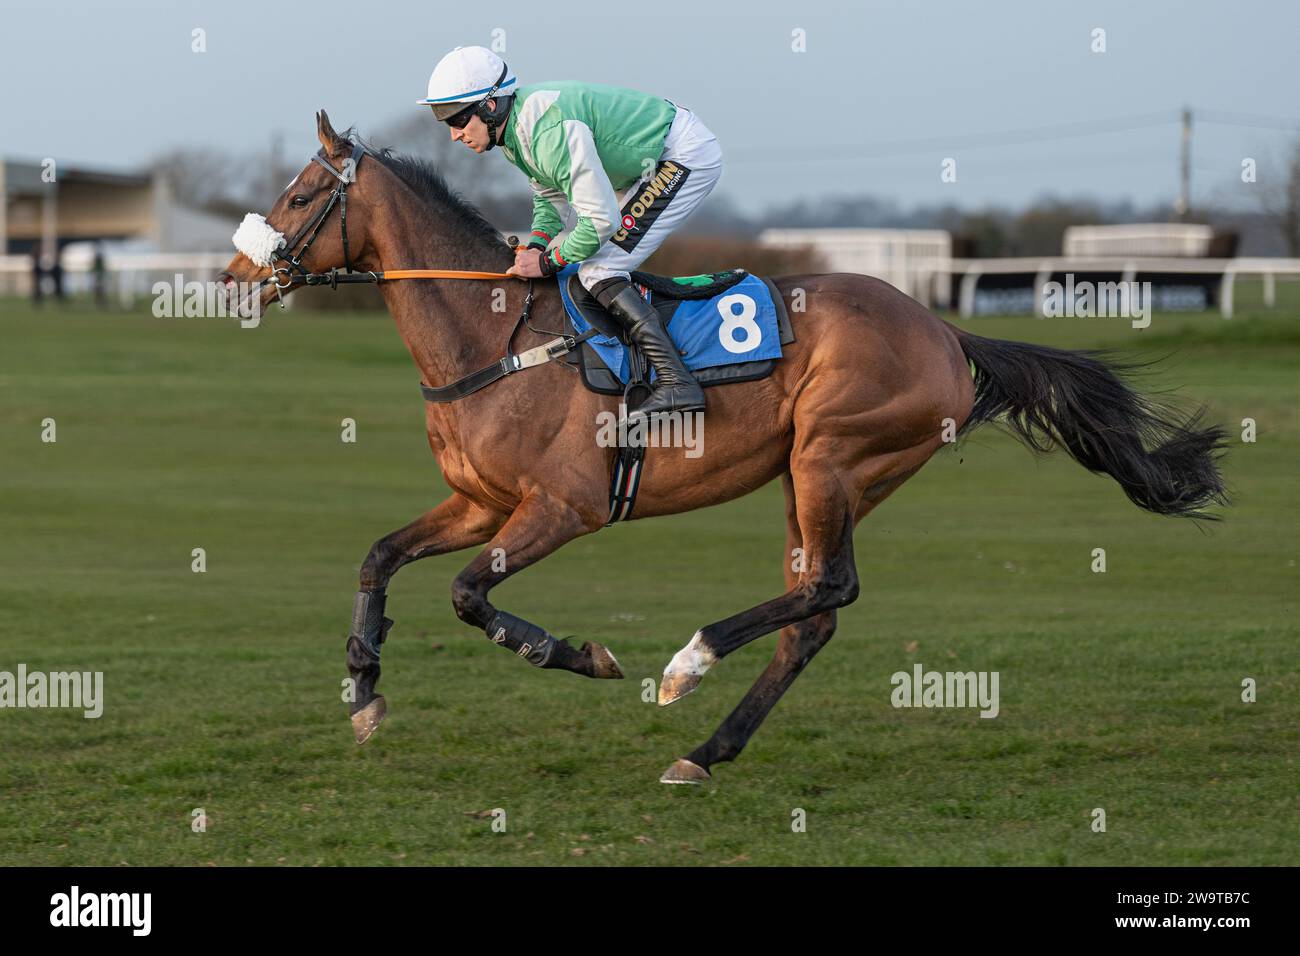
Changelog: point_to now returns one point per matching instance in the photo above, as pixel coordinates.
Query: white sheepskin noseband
(256, 239)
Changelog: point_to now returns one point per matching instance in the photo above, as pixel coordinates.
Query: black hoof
(604, 666)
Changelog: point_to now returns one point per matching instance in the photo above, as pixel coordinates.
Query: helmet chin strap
(490, 118)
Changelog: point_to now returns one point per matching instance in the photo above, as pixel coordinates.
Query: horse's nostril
(225, 285)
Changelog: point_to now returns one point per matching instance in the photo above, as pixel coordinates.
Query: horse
(873, 385)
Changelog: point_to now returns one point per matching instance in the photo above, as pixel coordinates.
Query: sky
(880, 95)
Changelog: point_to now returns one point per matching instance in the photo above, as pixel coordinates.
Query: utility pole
(277, 164)
(1184, 204)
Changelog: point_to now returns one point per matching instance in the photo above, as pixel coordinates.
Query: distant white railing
(917, 267)
(1042, 270)
(128, 275)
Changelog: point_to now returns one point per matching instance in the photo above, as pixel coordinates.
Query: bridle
(293, 270)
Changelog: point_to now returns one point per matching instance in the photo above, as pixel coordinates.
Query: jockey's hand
(528, 264)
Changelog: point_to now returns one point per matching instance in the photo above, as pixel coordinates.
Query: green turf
(1119, 690)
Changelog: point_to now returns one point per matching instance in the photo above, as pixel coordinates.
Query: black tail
(1162, 460)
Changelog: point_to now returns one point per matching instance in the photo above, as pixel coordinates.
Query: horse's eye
(298, 202)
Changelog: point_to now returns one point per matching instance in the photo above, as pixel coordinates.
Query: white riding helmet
(468, 74)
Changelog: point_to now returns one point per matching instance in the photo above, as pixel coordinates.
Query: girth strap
(508, 364)
(628, 459)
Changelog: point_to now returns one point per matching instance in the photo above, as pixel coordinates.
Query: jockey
(632, 167)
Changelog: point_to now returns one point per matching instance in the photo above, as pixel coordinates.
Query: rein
(293, 273)
(334, 277)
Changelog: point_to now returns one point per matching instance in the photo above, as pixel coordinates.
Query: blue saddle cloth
(735, 326)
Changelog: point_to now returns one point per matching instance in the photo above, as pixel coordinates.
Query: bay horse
(870, 389)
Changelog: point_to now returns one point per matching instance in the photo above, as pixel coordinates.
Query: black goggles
(457, 120)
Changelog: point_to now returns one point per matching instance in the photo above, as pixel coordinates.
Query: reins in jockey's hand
(293, 273)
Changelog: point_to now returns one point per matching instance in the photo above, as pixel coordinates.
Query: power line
(1255, 120)
(1015, 137)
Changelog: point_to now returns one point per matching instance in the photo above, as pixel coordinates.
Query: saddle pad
(743, 326)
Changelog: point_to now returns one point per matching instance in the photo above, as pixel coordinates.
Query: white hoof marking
(693, 660)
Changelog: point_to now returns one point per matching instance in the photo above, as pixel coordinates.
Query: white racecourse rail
(1125, 268)
(918, 262)
(129, 275)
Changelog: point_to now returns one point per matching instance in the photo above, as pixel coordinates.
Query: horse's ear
(333, 143)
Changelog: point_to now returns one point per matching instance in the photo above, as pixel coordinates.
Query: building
(48, 207)
(84, 204)
(1143, 239)
(916, 261)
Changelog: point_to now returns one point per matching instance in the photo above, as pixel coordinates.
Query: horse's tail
(1164, 462)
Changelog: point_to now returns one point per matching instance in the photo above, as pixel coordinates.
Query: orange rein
(444, 274)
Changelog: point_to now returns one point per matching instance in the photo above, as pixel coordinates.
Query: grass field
(1119, 690)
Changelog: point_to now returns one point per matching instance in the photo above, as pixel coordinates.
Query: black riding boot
(674, 388)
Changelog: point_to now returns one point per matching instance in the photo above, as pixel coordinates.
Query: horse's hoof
(683, 771)
(604, 666)
(367, 720)
(676, 686)
(683, 673)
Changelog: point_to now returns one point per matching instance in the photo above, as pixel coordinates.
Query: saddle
(666, 295)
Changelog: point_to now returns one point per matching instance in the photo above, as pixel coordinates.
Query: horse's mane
(427, 183)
